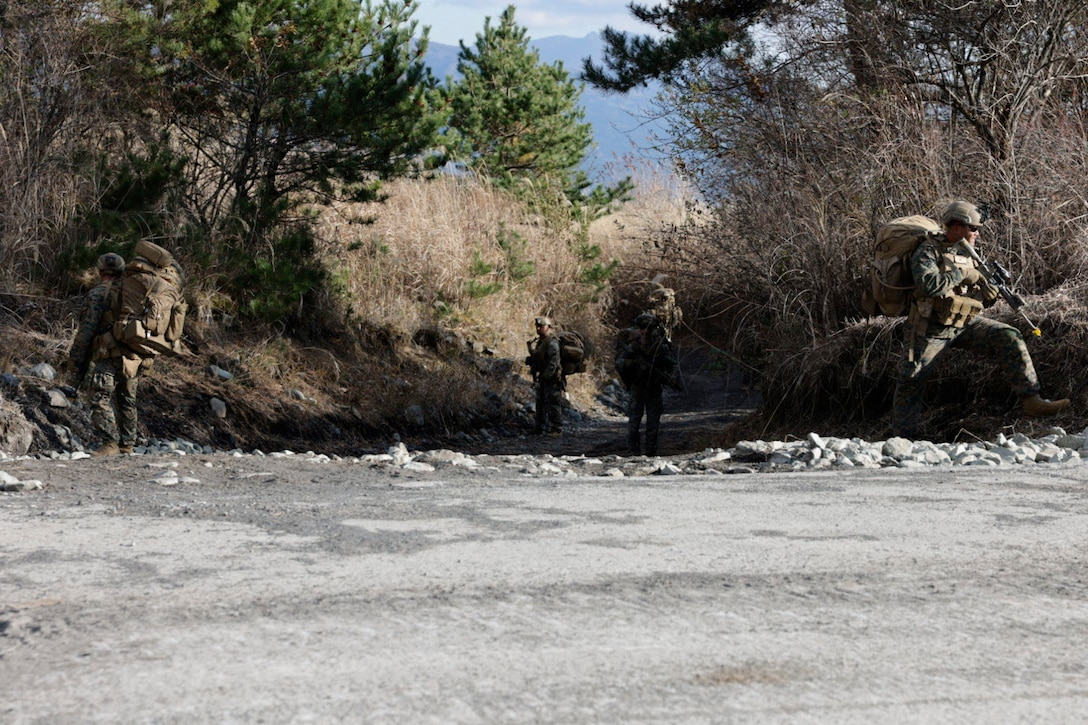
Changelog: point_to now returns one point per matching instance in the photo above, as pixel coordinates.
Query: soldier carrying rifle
(951, 288)
(646, 362)
(547, 370)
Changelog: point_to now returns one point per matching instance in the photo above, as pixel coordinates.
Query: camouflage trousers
(645, 400)
(113, 402)
(1003, 343)
(549, 406)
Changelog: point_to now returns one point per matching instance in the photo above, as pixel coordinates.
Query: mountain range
(623, 129)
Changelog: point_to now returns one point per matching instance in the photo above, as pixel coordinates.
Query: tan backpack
(891, 278)
(572, 352)
(149, 313)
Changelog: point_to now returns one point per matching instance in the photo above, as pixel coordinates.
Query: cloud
(453, 20)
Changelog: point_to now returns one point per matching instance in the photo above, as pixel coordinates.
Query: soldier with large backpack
(546, 365)
(134, 315)
(646, 362)
(947, 293)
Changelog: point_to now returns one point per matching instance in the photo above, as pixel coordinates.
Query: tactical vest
(954, 310)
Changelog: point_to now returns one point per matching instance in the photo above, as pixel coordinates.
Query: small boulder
(16, 432)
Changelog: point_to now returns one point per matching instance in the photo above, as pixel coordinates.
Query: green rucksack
(892, 283)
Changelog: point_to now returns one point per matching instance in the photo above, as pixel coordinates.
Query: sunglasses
(972, 227)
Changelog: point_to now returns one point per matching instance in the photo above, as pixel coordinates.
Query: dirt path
(711, 398)
(253, 589)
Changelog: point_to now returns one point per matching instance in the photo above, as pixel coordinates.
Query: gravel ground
(296, 589)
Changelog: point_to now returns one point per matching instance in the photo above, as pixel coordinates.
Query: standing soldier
(547, 371)
(645, 362)
(949, 294)
(662, 305)
(114, 377)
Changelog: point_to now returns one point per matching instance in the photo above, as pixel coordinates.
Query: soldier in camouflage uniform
(949, 293)
(547, 371)
(114, 370)
(646, 363)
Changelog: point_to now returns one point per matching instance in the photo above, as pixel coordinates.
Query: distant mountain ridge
(620, 121)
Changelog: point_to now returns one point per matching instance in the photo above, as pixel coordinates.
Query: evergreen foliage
(691, 30)
(280, 103)
(512, 116)
(517, 121)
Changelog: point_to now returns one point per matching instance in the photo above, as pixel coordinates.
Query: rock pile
(813, 453)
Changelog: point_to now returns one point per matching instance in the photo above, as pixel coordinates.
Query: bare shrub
(803, 160)
(45, 110)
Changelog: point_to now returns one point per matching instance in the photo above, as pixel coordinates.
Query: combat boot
(106, 449)
(1037, 407)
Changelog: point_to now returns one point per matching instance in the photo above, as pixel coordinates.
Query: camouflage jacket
(943, 302)
(95, 317)
(545, 361)
(938, 270)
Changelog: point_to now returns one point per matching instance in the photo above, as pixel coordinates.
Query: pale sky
(454, 20)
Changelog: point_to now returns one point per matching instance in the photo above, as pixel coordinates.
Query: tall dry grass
(653, 236)
(452, 253)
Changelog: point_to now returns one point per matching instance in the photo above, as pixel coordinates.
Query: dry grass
(405, 344)
(435, 268)
(411, 268)
(655, 237)
(34, 329)
(843, 384)
(427, 256)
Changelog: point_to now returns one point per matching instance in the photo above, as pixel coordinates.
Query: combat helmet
(112, 263)
(961, 211)
(645, 320)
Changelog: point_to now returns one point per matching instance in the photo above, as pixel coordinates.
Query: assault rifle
(1001, 280)
(529, 360)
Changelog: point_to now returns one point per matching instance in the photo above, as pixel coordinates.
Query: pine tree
(279, 103)
(691, 30)
(514, 118)
(511, 114)
(286, 96)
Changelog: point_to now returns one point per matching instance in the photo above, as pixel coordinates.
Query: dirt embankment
(176, 403)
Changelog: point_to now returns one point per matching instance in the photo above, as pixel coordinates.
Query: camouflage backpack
(572, 352)
(892, 283)
(149, 311)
